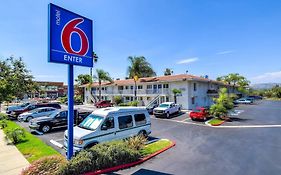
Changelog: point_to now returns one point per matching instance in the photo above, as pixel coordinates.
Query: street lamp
(95, 59)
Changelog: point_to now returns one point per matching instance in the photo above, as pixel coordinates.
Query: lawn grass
(32, 148)
(155, 146)
(215, 121)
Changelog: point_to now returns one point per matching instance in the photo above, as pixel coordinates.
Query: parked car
(110, 124)
(166, 109)
(10, 109)
(243, 101)
(199, 113)
(30, 107)
(55, 120)
(151, 108)
(35, 113)
(256, 97)
(103, 104)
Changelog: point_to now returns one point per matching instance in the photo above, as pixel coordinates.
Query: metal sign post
(70, 41)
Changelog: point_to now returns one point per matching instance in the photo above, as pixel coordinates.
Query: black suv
(55, 120)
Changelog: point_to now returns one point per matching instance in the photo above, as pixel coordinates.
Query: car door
(108, 130)
(40, 113)
(61, 119)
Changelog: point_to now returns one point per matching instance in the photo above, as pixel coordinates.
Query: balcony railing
(132, 91)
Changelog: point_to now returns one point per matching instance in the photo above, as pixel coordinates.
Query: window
(194, 86)
(193, 100)
(139, 86)
(132, 87)
(102, 88)
(149, 87)
(141, 98)
(127, 98)
(140, 119)
(126, 87)
(159, 86)
(63, 114)
(125, 122)
(147, 98)
(165, 85)
(120, 87)
(109, 123)
(91, 122)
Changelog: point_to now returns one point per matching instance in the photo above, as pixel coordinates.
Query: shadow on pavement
(144, 172)
(236, 119)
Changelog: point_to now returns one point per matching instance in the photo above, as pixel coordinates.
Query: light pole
(135, 80)
(95, 59)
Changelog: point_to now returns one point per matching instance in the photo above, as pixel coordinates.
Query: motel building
(196, 91)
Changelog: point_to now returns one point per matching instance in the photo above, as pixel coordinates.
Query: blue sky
(205, 37)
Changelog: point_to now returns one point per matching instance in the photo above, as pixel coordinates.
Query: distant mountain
(264, 85)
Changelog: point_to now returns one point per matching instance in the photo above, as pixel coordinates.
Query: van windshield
(91, 122)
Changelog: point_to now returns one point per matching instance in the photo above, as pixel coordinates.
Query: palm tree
(168, 71)
(102, 76)
(235, 79)
(140, 67)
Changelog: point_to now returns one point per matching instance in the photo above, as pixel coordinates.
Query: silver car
(38, 112)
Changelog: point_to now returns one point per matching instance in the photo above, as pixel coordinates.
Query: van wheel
(143, 133)
(45, 128)
(91, 145)
(29, 118)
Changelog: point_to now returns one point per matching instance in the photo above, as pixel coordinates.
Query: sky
(203, 37)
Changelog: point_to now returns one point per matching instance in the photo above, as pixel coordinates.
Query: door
(61, 119)
(125, 127)
(108, 130)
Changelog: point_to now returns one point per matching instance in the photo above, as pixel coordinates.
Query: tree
(222, 104)
(235, 79)
(101, 76)
(176, 92)
(168, 72)
(81, 80)
(139, 67)
(15, 79)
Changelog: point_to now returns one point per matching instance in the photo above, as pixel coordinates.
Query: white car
(166, 109)
(35, 113)
(112, 123)
(243, 101)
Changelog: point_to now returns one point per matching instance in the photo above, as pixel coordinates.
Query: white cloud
(225, 52)
(269, 77)
(188, 60)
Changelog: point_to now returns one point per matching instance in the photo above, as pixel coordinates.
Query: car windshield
(164, 105)
(91, 122)
(54, 114)
(24, 105)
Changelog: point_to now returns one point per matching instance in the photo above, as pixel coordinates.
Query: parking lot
(201, 149)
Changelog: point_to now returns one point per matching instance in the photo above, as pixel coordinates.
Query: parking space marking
(186, 122)
(56, 143)
(249, 126)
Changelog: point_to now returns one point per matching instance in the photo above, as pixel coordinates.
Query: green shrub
(16, 135)
(136, 143)
(3, 116)
(123, 104)
(118, 99)
(3, 124)
(62, 99)
(99, 157)
(45, 166)
(133, 103)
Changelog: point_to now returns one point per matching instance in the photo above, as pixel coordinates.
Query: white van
(108, 124)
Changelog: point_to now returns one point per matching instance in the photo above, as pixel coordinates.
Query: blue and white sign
(70, 37)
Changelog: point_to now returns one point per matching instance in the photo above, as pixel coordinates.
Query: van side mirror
(103, 127)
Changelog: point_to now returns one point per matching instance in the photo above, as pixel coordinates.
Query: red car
(200, 113)
(103, 104)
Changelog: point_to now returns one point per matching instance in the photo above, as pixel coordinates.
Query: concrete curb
(119, 167)
(208, 124)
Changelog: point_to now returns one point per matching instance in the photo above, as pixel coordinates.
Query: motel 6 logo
(68, 30)
(70, 37)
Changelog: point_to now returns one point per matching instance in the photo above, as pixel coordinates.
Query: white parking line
(249, 126)
(56, 143)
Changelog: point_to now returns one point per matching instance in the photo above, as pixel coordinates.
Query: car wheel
(45, 128)
(167, 115)
(29, 118)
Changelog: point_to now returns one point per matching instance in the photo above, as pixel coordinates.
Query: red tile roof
(169, 78)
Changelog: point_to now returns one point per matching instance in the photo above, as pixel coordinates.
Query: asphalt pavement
(204, 150)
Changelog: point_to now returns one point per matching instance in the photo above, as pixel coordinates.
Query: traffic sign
(70, 37)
